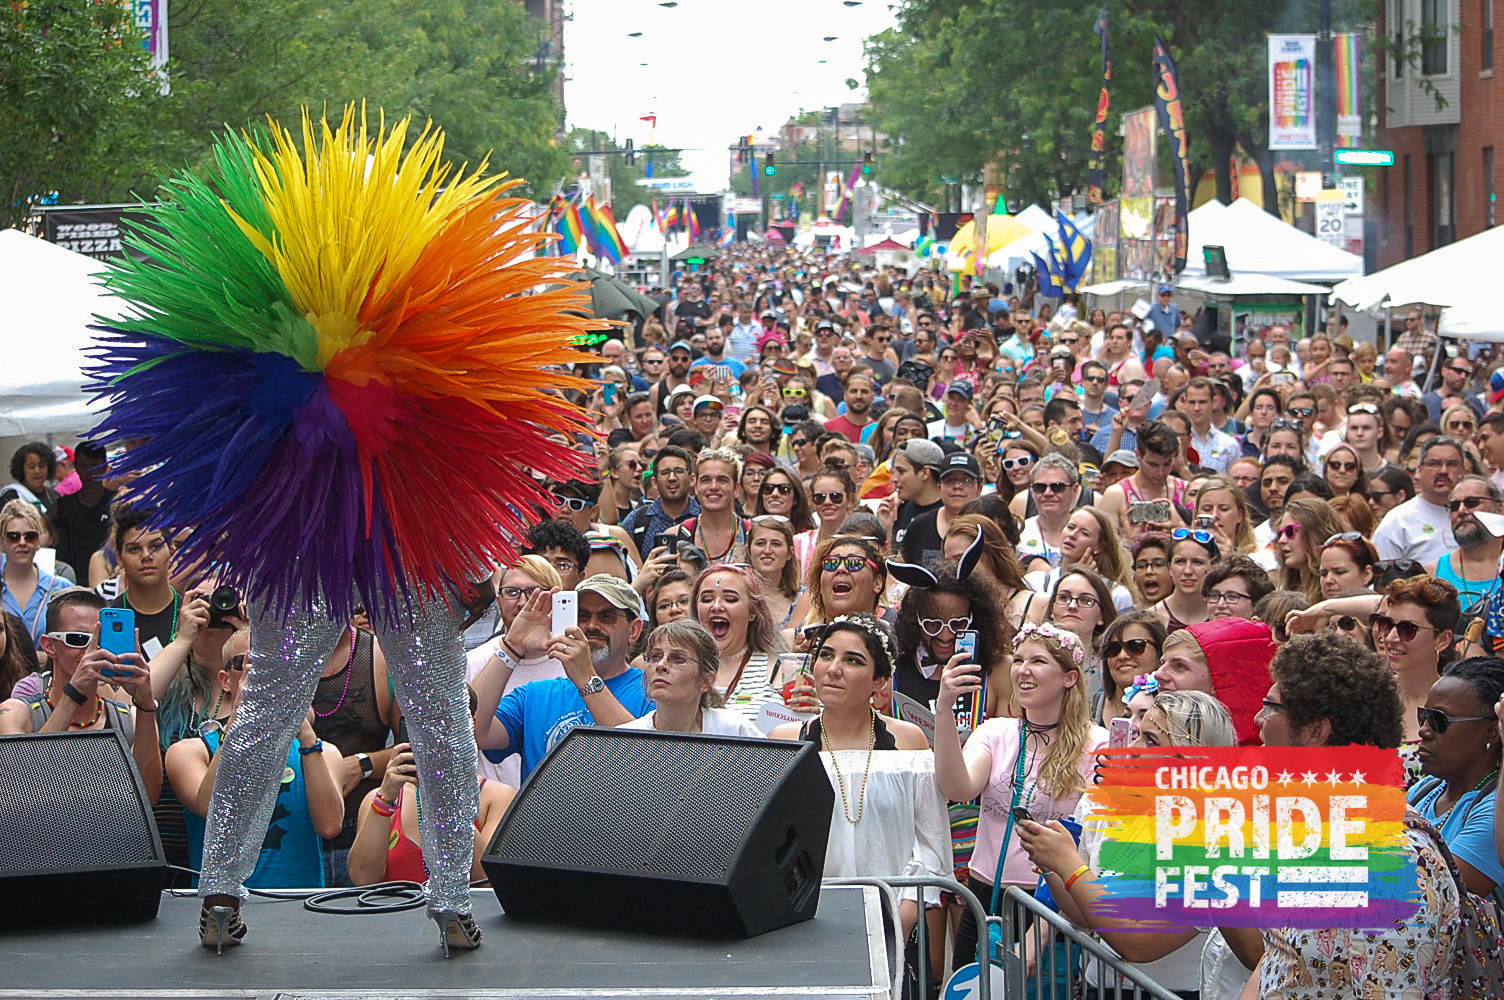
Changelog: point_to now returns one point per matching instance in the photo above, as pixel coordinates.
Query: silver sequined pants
(427, 667)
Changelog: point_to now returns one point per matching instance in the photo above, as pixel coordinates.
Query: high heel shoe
(458, 930)
(219, 926)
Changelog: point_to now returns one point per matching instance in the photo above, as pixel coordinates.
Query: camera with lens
(223, 603)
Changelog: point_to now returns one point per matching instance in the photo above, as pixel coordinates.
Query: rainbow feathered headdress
(336, 364)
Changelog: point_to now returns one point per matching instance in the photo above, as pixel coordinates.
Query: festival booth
(1458, 278)
(49, 296)
(888, 252)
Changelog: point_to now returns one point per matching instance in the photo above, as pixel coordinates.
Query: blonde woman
(1305, 525)
(1221, 507)
(1041, 761)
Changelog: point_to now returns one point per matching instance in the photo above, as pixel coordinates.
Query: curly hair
(23, 511)
(817, 613)
(1318, 522)
(14, 664)
(1000, 557)
(987, 619)
(558, 535)
(1437, 598)
(1060, 771)
(1328, 676)
(18, 460)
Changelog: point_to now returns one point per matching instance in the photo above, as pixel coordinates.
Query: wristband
(510, 655)
(148, 711)
(317, 746)
(381, 807)
(1075, 875)
(72, 692)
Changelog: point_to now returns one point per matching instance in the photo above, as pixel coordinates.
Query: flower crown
(867, 623)
(1068, 640)
(1142, 684)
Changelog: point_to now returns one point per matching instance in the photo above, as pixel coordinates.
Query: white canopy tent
(1248, 284)
(1259, 243)
(49, 296)
(1459, 275)
(640, 232)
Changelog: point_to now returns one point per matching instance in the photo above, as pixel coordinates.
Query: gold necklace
(861, 802)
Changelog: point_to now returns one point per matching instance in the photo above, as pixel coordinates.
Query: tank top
(116, 716)
(1469, 592)
(351, 717)
(1176, 489)
(292, 854)
(404, 859)
(810, 733)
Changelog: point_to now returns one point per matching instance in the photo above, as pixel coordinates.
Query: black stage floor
(293, 953)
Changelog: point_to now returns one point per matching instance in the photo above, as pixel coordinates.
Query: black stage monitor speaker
(711, 836)
(78, 843)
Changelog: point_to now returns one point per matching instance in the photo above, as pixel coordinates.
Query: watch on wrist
(593, 686)
(366, 767)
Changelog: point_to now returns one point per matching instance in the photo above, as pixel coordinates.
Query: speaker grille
(77, 805)
(666, 797)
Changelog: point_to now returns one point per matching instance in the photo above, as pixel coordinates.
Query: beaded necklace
(861, 802)
(337, 705)
(177, 600)
(1435, 796)
(75, 724)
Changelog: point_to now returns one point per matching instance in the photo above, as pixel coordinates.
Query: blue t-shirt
(736, 367)
(1469, 827)
(540, 714)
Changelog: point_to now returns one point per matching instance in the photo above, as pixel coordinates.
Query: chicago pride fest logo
(1255, 837)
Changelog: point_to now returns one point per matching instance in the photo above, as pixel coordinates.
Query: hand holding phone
(117, 635)
(1119, 732)
(566, 611)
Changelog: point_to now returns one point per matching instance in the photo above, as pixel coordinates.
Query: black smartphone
(670, 542)
(1020, 814)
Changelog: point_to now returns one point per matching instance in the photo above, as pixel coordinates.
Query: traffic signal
(743, 149)
(631, 153)
(866, 163)
(768, 166)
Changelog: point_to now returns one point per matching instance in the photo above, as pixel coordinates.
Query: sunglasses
(1439, 722)
(1342, 466)
(782, 489)
(934, 626)
(1194, 534)
(1404, 567)
(798, 442)
(1290, 531)
(30, 537)
(236, 663)
(73, 640)
(1135, 647)
(1095, 379)
(795, 393)
(1018, 463)
(824, 498)
(1471, 503)
(1040, 489)
(1282, 424)
(1342, 536)
(852, 564)
(1368, 408)
(1302, 411)
(573, 503)
(1382, 625)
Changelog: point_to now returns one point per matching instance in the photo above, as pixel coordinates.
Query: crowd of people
(854, 498)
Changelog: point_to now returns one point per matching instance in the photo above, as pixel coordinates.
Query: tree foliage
(964, 84)
(626, 193)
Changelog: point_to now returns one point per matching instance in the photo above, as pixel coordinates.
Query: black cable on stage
(380, 897)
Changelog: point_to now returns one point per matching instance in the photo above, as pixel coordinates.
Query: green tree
(626, 193)
(77, 95)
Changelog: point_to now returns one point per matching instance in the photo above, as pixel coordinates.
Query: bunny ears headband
(919, 576)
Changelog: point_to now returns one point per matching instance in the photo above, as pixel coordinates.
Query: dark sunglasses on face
(236, 663)
(782, 489)
(1135, 647)
(825, 498)
(1095, 379)
(1302, 411)
(852, 564)
(1342, 466)
(1439, 722)
(1381, 625)
(1471, 503)
(1289, 531)
(30, 537)
(1040, 489)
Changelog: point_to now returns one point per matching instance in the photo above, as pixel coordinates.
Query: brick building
(1441, 187)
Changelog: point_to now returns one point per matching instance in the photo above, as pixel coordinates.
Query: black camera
(225, 601)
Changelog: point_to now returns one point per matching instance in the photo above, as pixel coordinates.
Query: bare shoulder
(907, 735)
(15, 717)
(787, 731)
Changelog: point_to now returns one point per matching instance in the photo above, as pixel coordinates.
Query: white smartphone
(1119, 732)
(566, 611)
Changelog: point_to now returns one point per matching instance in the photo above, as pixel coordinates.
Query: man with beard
(1474, 567)
(691, 313)
(715, 351)
(673, 471)
(1420, 528)
(1278, 473)
(859, 395)
(598, 687)
(680, 355)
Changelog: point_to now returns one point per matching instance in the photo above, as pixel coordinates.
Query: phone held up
(1119, 732)
(566, 611)
(1148, 511)
(970, 708)
(117, 633)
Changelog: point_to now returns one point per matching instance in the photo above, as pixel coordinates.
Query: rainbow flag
(843, 202)
(613, 247)
(571, 229)
(658, 217)
(728, 236)
(693, 221)
(1255, 837)
(1347, 65)
(670, 217)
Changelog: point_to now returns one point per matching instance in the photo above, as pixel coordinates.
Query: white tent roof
(1448, 276)
(1008, 257)
(1248, 284)
(1109, 288)
(1037, 219)
(1260, 243)
(48, 298)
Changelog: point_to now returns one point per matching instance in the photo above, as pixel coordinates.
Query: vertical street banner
(1347, 65)
(1098, 161)
(1172, 117)
(1292, 91)
(151, 18)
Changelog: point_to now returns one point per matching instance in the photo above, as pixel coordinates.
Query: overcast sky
(752, 64)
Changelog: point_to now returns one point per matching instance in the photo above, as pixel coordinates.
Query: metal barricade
(1020, 912)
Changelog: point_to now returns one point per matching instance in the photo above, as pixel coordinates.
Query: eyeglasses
(1150, 565)
(852, 564)
(519, 593)
(1436, 463)
(565, 565)
(1302, 411)
(1342, 536)
(782, 489)
(74, 640)
(678, 602)
(606, 616)
(1095, 379)
(671, 473)
(1135, 647)
(1272, 707)
(1228, 597)
(1439, 722)
(676, 660)
(934, 626)
(838, 496)
(16, 536)
(1382, 625)
(1083, 601)
(1022, 462)
(1471, 503)
(1289, 531)
(1040, 489)
(573, 503)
